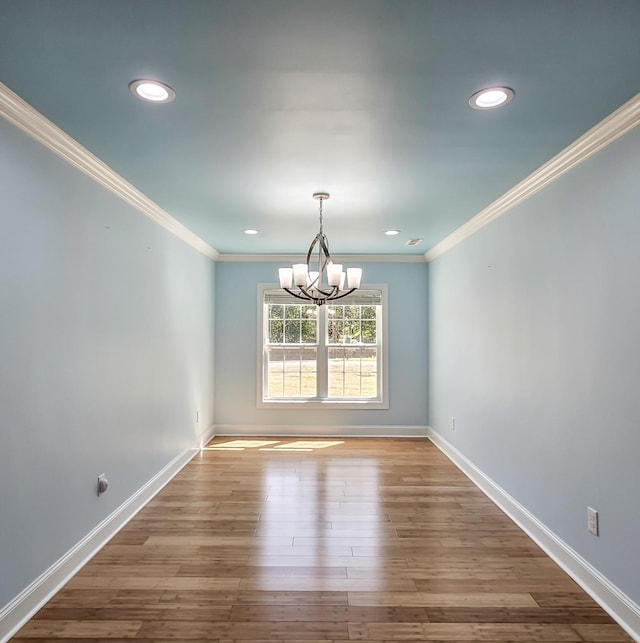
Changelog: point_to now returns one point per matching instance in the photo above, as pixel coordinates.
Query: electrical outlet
(103, 484)
(592, 521)
(453, 424)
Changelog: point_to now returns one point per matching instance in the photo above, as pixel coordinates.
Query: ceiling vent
(414, 242)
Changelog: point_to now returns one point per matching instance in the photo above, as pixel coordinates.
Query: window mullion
(322, 354)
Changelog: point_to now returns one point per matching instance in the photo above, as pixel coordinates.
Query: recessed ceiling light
(250, 231)
(152, 91)
(491, 97)
(391, 233)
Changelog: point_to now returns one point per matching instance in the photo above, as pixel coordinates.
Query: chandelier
(309, 283)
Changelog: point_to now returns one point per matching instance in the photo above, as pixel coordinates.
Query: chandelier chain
(321, 200)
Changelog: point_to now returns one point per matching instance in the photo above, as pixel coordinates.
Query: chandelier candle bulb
(286, 277)
(354, 276)
(300, 274)
(334, 270)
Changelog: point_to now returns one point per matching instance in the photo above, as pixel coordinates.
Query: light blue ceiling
(366, 99)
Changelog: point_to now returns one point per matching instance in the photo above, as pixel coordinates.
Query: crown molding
(297, 258)
(597, 138)
(19, 113)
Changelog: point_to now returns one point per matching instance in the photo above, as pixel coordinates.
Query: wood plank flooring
(321, 540)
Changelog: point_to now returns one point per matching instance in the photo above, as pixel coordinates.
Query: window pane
(368, 312)
(309, 331)
(337, 333)
(352, 324)
(292, 372)
(275, 372)
(276, 331)
(369, 331)
(345, 332)
(276, 311)
(292, 311)
(353, 372)
(353, 333)
(292, 331)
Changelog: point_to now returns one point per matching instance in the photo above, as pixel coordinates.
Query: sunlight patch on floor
(284, 448)
(274, 445)
(310, 444)
(241, 445)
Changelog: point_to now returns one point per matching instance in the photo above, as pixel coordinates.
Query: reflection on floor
(321, 540)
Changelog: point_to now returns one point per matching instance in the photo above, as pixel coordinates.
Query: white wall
(106, 352)
(236, 351)
(534, 350)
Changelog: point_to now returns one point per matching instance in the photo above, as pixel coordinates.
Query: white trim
(17, 612)
(207, 436)
(297, 258)
(597, 138)
(372, 404)
(613, 600)
(322, 431)
(19, 113)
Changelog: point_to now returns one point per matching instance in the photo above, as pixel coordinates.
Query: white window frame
(380, 402)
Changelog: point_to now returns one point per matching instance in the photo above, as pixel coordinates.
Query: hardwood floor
(321, 540)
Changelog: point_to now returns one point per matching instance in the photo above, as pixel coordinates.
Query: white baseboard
(603, 591)
(16, 613)
(299, 431)
(207, 436)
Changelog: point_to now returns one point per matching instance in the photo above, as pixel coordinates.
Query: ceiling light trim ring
(141, 88)
(491, 97)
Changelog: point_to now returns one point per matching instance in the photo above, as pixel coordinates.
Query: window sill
(328, 405)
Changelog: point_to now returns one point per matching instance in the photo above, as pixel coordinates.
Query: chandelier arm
(342, 295)
(325, 294)
(298, 295)
(305, 295)
(313, 294)
(321, 240)
(324, 246)
(321, 265)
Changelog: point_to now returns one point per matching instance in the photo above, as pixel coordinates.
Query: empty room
(319, 320)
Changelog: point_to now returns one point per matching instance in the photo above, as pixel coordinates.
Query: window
(323, 355)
